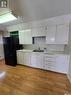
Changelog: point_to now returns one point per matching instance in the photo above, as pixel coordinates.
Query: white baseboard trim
(1, 58)
(69, 77)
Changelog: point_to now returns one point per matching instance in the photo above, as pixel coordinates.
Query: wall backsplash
(41, 42)
(42, 46)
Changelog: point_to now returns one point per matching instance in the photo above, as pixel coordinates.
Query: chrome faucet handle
(45, 49)
(39, 48)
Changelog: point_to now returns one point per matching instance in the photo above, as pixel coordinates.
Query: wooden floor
(21, 80)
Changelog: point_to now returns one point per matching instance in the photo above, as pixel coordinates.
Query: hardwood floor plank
(22, 80)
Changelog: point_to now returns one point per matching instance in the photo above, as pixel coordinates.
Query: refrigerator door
(11, 60)
(7, 46)
(10, 51)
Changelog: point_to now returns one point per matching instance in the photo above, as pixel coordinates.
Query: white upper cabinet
(38, 31)
(21, 37)
(50, 35)
(57, 34)
(62, 34)
(54, 34)
(25, 37)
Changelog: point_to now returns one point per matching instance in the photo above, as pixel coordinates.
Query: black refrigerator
(11, 44)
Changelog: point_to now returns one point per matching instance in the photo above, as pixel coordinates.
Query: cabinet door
(62, 63)
(39, 31)
(62, 34)
(49, 62)
(50, 36)
(25, 37)
(33, 60)
(21, 37)
(20, 57)
(27, 58)
(37, 60)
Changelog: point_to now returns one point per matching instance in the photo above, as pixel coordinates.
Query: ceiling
(33, 10)
(41, 9)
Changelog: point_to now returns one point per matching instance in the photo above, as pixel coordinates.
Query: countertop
(25, 50)
(49, 52)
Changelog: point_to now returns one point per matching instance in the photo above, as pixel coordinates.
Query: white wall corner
(1, 58)
(69, 77)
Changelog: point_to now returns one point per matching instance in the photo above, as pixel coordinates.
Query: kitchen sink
(38, 50)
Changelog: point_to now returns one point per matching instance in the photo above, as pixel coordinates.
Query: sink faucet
(38, 48)
(45, 49)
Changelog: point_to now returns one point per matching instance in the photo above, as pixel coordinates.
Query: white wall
(2, 34)
(6, 34)
(69, 71)
(2, 28)
(1, 46)
(68, 49)
(51, 21)
(18, 27)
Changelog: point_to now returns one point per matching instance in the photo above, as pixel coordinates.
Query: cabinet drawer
(52, 60)
(49, 67)
(49, 56)
(49, 60)
(50, 64)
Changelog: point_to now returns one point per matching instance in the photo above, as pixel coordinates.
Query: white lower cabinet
(56, 62)
(24, 58)
(27, 58)
(49, 62)
(37, 60)
(19, 57)
(62, 63)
